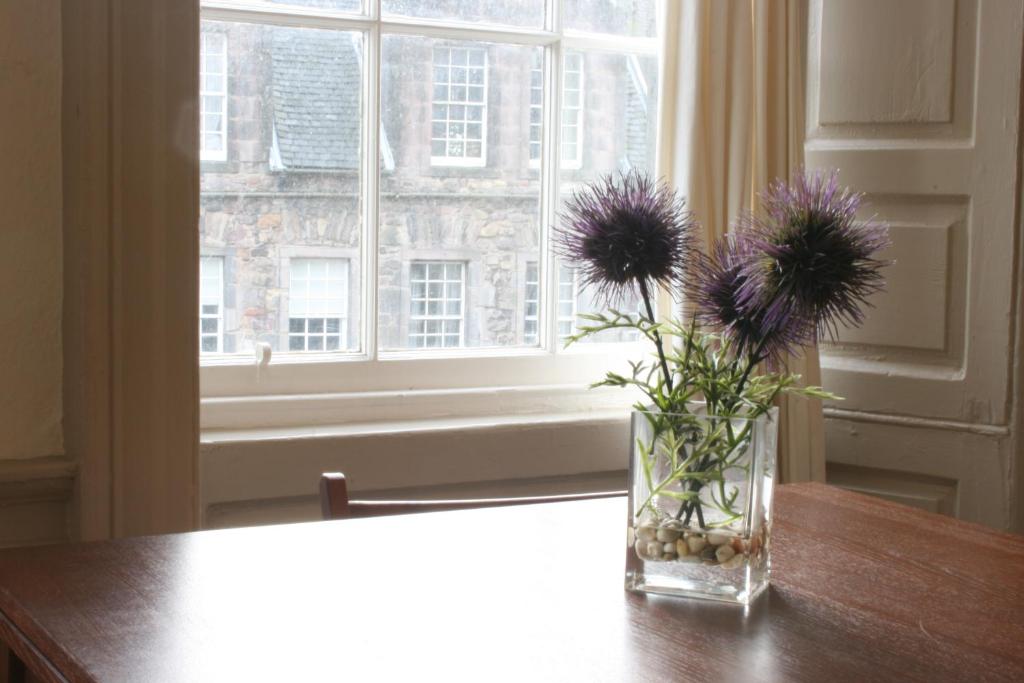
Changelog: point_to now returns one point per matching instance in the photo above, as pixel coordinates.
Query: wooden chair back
(335, 502)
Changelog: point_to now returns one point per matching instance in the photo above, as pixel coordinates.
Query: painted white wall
(30, 224)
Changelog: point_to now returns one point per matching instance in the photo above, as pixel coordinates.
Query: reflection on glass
(618, 17)
(525, 13)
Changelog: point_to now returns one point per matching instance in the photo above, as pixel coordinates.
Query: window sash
(232, 374)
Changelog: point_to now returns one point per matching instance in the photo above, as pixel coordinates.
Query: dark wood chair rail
(862, 590)
(336, 504)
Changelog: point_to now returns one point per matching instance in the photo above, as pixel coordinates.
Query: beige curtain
(733, 110)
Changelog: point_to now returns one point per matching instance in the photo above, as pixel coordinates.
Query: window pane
(620, 17)
(454, 236)
(514, 12)
(288, 186)
(622, 104)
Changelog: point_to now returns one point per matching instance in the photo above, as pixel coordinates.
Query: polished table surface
(862, 590)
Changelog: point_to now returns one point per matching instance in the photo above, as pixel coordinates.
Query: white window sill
(254, 417)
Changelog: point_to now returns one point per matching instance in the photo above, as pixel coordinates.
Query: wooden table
(863, 590)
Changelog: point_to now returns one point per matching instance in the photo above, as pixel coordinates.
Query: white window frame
(218, 299)
(342, 333)
(222, 153)
(464, 160)
(231, 382)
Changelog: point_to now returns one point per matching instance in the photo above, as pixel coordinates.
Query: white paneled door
(917, 103)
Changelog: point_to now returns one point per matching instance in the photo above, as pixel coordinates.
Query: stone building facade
(281, 214)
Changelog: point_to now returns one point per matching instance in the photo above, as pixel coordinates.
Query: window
(567, 294)
(391, 176)
(438, 291)
(567, 297)
(459, 107)
(213, 100)
(531, 308)
(572, 111)
(211, 304)
(317, 304)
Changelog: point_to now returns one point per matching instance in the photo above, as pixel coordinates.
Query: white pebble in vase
(718, 539)
(696, 544)
(724, 553)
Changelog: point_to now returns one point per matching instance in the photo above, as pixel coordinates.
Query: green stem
(657, 337)
(754, 359)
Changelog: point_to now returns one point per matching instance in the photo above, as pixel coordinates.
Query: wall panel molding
(969, 188)
(928, 125)
(900, 72)
(906, 76)
(36, 500)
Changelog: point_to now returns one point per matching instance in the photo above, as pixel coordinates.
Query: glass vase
(700, 504)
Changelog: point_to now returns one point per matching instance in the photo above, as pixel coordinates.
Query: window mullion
(550, 146)
(370, 185)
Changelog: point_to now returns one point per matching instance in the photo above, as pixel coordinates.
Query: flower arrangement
(785, 277)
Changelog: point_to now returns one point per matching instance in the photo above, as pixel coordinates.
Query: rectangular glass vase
(700, 504)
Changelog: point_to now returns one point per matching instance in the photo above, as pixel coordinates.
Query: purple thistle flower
(718, 289)
(626, 231)
(818, 263)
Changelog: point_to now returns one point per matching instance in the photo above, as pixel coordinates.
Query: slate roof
(315, 88)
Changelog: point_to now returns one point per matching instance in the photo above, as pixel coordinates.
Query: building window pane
(211, 304)
(532, 304)
(572, 110)
(567, 297)
(436, 316)
(459, 111)
(213, 95)
(317, 304)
